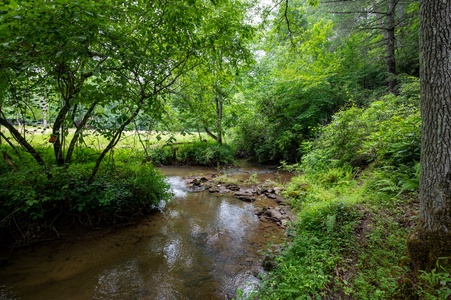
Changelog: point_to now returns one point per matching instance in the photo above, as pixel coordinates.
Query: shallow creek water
(199, 246)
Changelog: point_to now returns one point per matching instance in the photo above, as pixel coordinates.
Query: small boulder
(278, 190)
(278, 215)
(271, 195)
(213, 190)
(233, 187)
(246, 195)
(270, 191)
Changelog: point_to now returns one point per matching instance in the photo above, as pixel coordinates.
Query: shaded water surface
(200, 246)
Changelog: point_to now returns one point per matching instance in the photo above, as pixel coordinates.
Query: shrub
(161, 156)
(199, 153)
(356, 202)
(265, 142)
(38, 200)
(385, 133)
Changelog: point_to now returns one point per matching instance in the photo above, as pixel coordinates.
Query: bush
(266, 142)
(205, 154)
(36, 200)
(200, 153)
(385, 133)
(356, 202)
(162, 156)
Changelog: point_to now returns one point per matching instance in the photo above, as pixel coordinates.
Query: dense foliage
(328, 89)
(37, 200)
(95, 70)
(311, 63)
(356, 201)
(194, 154)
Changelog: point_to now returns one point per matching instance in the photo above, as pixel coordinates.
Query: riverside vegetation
(39, 200)
(313, 86)
(356, 201)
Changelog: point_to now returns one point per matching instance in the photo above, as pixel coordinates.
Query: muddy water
(200, 246)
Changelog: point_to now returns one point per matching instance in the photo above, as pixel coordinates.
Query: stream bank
(201, 245)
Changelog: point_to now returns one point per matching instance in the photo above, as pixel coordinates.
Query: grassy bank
(356, 202)
(348, 241)
(159, 148)
(37, 201)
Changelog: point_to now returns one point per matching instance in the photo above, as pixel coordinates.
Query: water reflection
(236, 220)
(119, 281)
(178, 186)
(201, 246)
(172, 252)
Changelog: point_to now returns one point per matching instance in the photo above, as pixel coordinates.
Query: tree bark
(57, 131)
(432, 238)
(219, 105)
(78, 131)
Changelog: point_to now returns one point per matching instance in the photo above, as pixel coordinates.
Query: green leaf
(13, 4)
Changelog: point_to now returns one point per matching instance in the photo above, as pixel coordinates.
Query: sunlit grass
(160, 148)
(37, 136)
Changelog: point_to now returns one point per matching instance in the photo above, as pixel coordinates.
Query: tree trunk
(114, 140)
(22, 141)
(44, 111)
(388, 31)
(57, 131)
(432, 238)
(78, 131)
(390, 47)
(211, 134)
(219, 105)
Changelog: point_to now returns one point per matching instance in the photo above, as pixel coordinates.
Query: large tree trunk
(432, 238)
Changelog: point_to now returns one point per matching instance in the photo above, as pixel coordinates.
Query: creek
(198, 246)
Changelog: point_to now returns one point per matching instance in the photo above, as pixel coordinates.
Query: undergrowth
(37, 200)
(349, 240)
(356, 202)
(197, 153)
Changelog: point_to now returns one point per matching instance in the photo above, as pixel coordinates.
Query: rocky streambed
(248, 191)
(206, 243)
